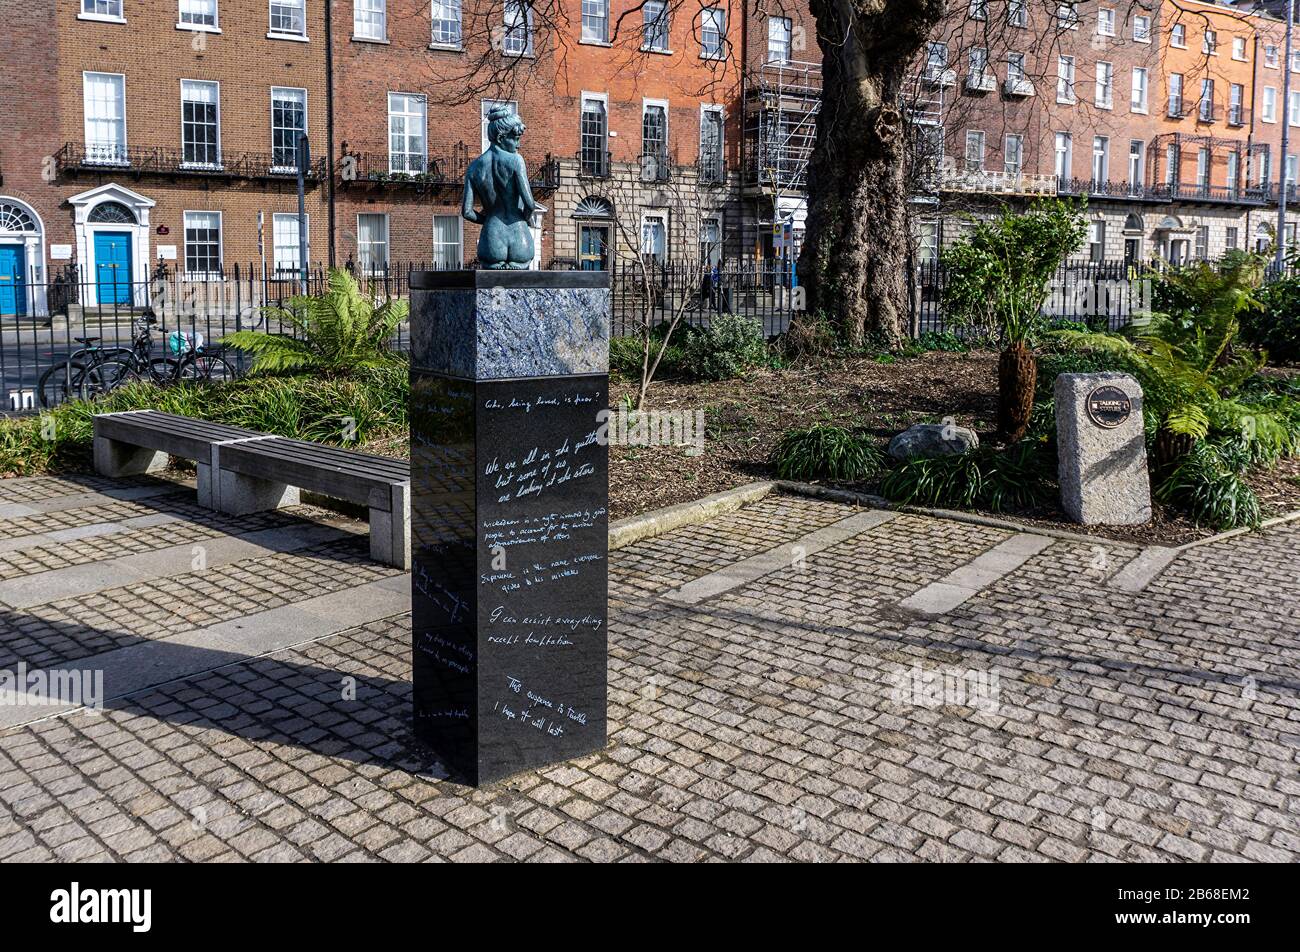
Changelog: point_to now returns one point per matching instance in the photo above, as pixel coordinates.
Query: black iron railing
(149, 160)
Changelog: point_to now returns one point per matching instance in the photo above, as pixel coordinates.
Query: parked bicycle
(96, 370)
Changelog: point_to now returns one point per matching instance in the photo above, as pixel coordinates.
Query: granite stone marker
(509, 497)
(1101, 448)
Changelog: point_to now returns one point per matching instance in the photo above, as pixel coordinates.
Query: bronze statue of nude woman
(499, 180)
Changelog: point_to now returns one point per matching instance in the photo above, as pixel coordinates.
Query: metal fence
(1103, 295)
(649, 293)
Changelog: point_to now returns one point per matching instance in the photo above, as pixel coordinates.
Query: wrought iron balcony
(76, 157)
(546, 177)
(1121, 191)
(594, 163)
(424, 173)
(1215, 194)
(711, 168)
(656, 166)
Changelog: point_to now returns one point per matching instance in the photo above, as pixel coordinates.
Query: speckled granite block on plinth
(509, 515)
(494, 325)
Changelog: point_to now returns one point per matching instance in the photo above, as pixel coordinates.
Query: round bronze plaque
(1109, 406)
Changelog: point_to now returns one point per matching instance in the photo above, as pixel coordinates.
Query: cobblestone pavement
(786, 717)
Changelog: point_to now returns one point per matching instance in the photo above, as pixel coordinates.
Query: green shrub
(985, 478)
(824, 451)
(729, 346)
(1274, 325)
(942, 340)
(1207, 486)
(625, 354)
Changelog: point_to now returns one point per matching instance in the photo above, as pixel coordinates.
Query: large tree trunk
(855, 253)
(1017, 380)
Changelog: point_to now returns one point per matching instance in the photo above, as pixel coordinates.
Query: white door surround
(82, 207)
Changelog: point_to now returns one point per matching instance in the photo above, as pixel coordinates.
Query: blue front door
(13, 284)
(113, 267)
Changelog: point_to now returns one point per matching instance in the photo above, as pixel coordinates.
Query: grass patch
(825, 451)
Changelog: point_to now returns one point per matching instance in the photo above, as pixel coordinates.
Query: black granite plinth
(509, 520)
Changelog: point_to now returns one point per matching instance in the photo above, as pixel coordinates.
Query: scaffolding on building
(781, 107)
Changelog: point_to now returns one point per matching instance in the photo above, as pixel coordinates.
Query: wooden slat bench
(242, 471)
(254, 475)
(139, 441)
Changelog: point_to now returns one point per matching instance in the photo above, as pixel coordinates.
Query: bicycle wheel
(206, 368)
(56, 382)
(102, 379)
(162, 370)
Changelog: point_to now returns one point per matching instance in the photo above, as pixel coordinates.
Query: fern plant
(338, 332)
(1185, 358)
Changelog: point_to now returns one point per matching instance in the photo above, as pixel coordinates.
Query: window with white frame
(1064, 156)
(102, 9)
(978, 9)
(713, 32)
(1264, 168)
(200, 123)
(1067, 16)
(1203, 167)
(1175, 95)
(1270, 56)
(1105, 86)
(104, 106)
(447, 254)
(288, 122)
(1138, 98)
(289, 17)
(595, 21)
(593, 137)
(1295, 61)
(1018, 12)
(711, 239)
(198, 14)
(979, 63)
(1234, 172)
(1100, 159)
(654, 236)
(654, 25)
(1142, 29)
(446, 18)
(518, 40)
(1236, 104)
(203, 243)
(370, 19)
(1210, 43)
(1206, 107)
(1293, 108)
(1178, 35)
(372, 243)
(1268, 106)
(1097, 240)
(1202, 251)
(1106, 22)
(927, 241)
(1136, 172)
(1172, 160)
(407, 121)
(1231, 238)
(1291, 169)
(485, 109)
(284, 243)
(779, 38)
(1239, 47)
(936, 60)
(712, 125)
(654, 133)
(1013, 153)
(1015, 68)
(1065, 79)
(974, 150)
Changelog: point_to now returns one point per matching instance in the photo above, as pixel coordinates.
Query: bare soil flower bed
(745, 419)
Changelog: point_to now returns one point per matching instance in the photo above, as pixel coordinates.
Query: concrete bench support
(390, 530)
(240, 495)
(115, 458)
